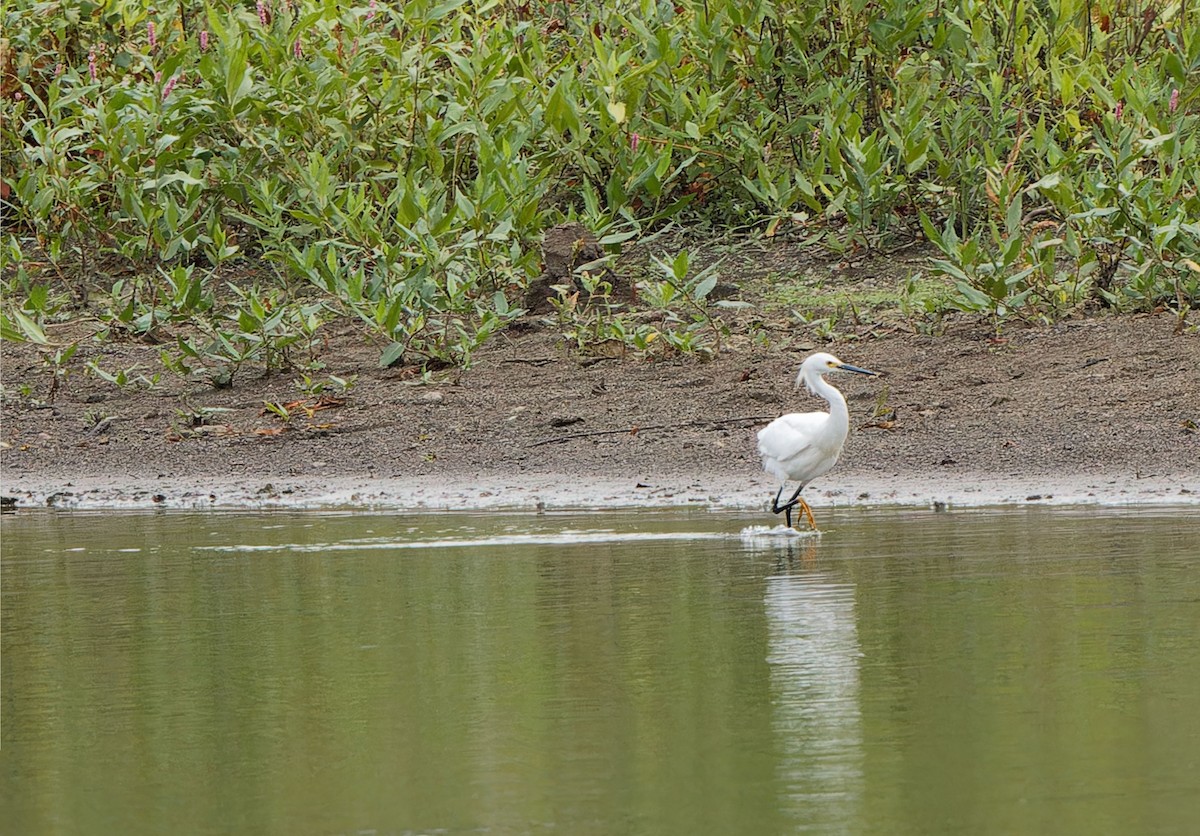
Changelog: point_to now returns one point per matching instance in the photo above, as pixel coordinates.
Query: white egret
(801, 446)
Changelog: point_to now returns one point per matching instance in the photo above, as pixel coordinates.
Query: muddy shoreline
(1093, 411)
(564, 493)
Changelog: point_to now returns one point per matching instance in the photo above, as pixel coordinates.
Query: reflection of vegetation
(396, 163)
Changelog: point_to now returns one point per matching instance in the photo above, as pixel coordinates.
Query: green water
(909, 673)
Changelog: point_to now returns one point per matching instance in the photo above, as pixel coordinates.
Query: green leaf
(164, 142)
(238, 79)
(442, 9)
(173, 177)
(974, 298)
(618, 237)
(705, 287)
(8, 331)
(1173, 65)
(1050, 181)
(1154, 142)
(32, 330)
(931, 232)
(1049, 242)
(391, 355)
(1012, 218)
(951, 270)
(679, 267)
(664, 162)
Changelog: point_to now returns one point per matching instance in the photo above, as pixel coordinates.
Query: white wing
(787, 448)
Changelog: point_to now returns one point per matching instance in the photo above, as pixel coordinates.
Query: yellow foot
(808, 513)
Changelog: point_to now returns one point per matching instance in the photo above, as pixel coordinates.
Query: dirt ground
(1094, 409)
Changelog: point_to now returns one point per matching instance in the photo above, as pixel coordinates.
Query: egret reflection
(814, 653)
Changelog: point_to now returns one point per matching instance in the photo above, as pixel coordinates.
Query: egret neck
(839, 414)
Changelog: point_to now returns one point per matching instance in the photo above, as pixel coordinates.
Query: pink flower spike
(371, 10)
(92, 63)
(262, 13)
(58, 69)
(1120, 108)
(203, 40)
(634, 139)
(170, 86)
(150, 36)
(1174, 101)
(158, 77)
(297, 49)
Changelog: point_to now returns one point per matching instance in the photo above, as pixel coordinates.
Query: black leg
(776, 508)
(786, 509)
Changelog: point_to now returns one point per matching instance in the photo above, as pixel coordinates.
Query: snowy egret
(801, 446)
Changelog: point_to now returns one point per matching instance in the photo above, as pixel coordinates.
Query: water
(1027, 671)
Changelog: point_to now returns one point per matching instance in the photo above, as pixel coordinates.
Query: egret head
(821, 363)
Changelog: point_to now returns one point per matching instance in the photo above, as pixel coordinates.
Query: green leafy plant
(313, 387)
(587, 315)
(122, 378)
(57, 362)
(701, 332)
(399, 162)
